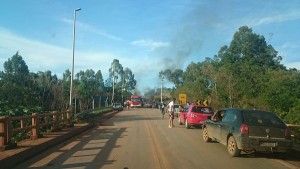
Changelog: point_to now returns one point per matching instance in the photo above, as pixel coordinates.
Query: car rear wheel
(187, 125)
(205, 135)
(232, 147)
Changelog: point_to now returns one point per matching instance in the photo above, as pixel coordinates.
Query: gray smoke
(189, 36)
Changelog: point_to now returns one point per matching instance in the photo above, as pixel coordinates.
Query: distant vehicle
(248, 131)
(194, 115)
(147, 105)
(136, 101)
(117, 106)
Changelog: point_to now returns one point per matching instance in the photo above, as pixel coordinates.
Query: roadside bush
(83, 116)
(17, 111)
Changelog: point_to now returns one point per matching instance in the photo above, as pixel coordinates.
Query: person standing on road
(162, 109)
(127, 104)
(171, 113)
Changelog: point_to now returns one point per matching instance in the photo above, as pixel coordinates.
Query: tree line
(25, 92)
(245, 74)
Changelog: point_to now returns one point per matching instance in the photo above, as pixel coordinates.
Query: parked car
(117, 106)
(181, 115)
(248, 131)
(194, 115)
(148, 105)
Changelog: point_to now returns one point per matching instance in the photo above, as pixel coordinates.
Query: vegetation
(23, 92)
(89, 114)
(245, 74)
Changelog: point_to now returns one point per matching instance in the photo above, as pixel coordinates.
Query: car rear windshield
(202, 110)
(262, 118)
(135, 99)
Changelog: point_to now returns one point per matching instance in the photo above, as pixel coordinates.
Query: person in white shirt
(171, 113)
(162, 109)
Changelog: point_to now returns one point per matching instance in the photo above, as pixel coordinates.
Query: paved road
(140, 139)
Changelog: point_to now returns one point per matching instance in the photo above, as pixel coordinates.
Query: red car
(194, 115)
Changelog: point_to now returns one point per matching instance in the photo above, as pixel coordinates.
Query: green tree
(65, 83)
(123, 80)
(176, 76)
(16, 83)
(129, 80)
(197, 81)
(116, 70)
(283, 90)
(89, 84)
(247, 59)
(44, 84)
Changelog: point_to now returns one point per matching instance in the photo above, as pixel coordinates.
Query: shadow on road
(292, 156)
(88, 151)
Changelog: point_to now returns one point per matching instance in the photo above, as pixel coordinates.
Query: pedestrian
(162, 110)
(171, 112)
(188, 104)
(127, 104)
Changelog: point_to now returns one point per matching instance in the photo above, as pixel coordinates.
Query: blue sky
(146, 36)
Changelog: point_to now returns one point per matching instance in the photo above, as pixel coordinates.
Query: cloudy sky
(146, 36)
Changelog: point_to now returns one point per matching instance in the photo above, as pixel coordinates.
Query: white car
(117, 106)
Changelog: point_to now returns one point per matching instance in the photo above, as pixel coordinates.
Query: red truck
(136, 101)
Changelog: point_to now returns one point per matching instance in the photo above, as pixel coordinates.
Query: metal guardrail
(293, 126)
(295, 131)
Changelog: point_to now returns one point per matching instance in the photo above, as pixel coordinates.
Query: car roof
(245, 110)
(200, 106)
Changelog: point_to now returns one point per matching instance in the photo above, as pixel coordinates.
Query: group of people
(170, 110)
(127, 103)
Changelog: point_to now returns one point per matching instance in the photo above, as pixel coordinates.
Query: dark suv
(248, 131)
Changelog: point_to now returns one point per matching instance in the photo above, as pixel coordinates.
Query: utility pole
(72, 64)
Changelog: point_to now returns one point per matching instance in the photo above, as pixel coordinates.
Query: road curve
(140, 139)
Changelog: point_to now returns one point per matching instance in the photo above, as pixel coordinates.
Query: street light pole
(113, 92)
(73, 50)
(161, 86)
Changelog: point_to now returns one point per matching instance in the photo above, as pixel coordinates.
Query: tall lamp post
(161, 86)
(73, 50)
(113, 85)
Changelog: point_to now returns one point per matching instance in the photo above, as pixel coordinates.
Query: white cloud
(292, 65)
(94, 60)
(293, 15)
(40, 56)
(289, 52)
(91, 29)
(37, 55)
(150, 44)
(289, 46)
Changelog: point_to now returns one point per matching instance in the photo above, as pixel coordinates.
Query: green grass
(83, 117)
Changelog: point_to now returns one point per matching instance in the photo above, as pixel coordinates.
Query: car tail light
(287, 133)
(244, 129)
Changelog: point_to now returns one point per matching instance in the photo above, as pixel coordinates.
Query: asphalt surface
(136, 138)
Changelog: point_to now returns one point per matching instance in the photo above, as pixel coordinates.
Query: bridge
(132, 138)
